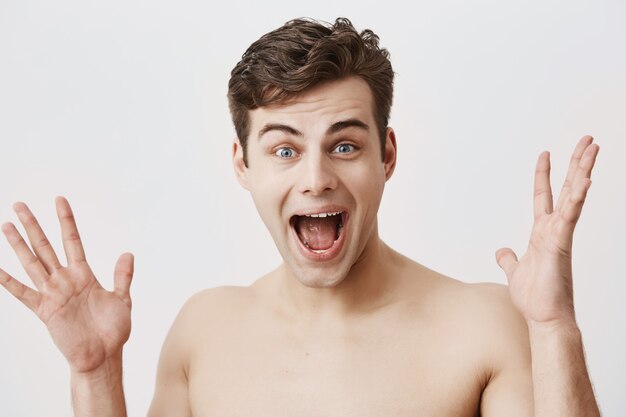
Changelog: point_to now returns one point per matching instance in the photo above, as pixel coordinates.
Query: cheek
(268, 193)
(366, 181)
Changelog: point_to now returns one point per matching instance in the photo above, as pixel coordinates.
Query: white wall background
(121, 107)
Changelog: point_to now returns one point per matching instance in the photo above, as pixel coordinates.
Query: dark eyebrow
(277, 126)
(334, 128)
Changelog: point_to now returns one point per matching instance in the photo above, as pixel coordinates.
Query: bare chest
(255, 370)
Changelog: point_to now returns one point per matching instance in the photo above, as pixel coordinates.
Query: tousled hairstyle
(302, 54)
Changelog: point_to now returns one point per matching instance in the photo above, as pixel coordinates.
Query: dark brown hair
(301, 54)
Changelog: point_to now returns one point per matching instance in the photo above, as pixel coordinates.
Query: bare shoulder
(500, 331)
(493, 307)
(216, 297)
(210, 306)
(491, 298)
(485, 301)
(483, 313)
(502, 345)
(194, 320)
(200, 309)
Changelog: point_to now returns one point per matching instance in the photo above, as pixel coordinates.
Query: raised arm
(87, 323)
(541, 288)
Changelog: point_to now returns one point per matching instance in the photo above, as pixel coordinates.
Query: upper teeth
(323, 214)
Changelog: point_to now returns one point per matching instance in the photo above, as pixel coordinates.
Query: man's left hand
(540, 282)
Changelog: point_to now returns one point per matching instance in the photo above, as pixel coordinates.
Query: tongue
(318, 233)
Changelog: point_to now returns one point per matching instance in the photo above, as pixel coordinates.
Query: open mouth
(320, 232)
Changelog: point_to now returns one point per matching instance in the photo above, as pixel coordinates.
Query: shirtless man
(345, 326)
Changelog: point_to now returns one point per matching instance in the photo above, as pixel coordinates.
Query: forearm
(99, 393)
(560, 378)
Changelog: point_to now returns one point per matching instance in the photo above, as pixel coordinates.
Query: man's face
(316, 182)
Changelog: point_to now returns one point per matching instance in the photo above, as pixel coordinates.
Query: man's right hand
(88, 323)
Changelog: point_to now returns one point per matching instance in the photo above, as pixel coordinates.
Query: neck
(368, 286)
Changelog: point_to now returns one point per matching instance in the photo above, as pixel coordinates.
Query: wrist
(99, 392)
(552, 319)
(554, 328)
(108, 371)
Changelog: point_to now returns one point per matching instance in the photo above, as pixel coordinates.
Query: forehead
(321, 106)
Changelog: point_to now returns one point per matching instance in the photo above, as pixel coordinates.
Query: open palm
(88, 323)
(540, 282)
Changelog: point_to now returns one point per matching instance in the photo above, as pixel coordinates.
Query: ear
(391, 149)
(241, 170)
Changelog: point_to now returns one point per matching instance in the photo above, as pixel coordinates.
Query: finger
(574, 206)
(28, 296)
(72, 244)
(507, 260)
(543, 190)
(587, 162)
(583, 143)
(38, 240)
(123, 275)
(33, 267)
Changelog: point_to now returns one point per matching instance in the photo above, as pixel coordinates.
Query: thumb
(506, 259)
(123, 275)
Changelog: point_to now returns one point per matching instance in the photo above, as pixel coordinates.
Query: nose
(317, 175)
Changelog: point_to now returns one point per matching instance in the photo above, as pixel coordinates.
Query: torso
(424, 355)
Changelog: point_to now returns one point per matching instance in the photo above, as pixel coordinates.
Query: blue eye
(344, 148)
(285, 153)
